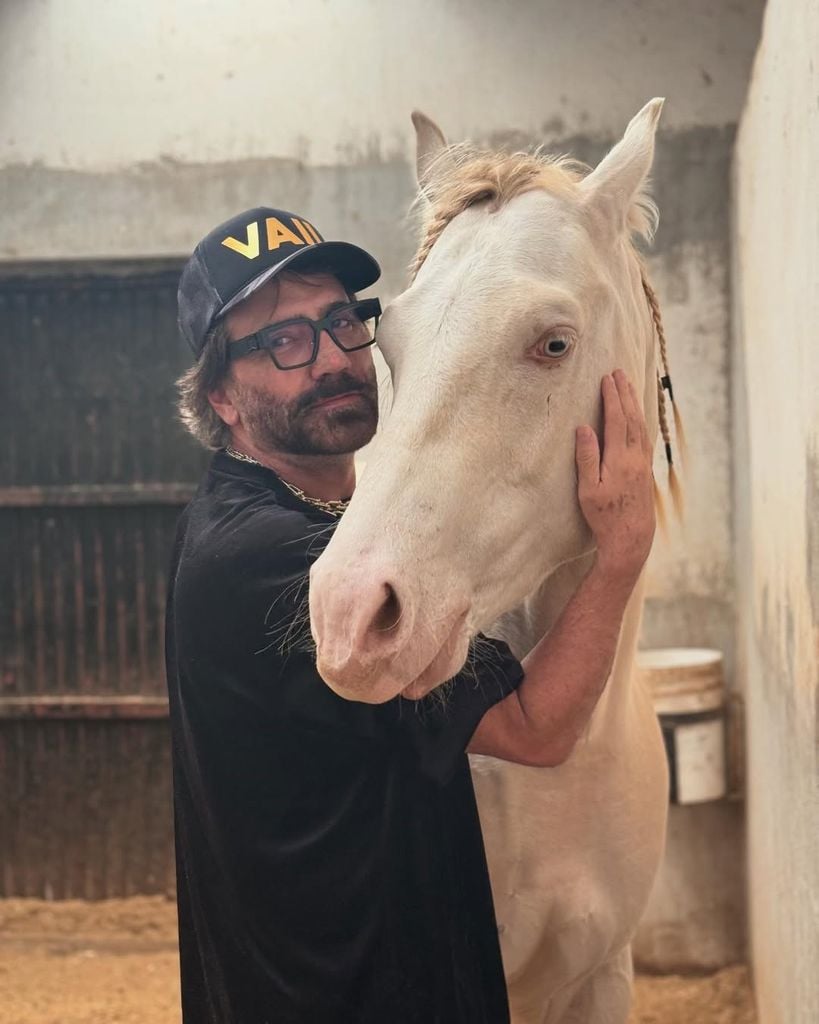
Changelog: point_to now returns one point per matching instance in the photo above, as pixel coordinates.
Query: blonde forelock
(463, 175)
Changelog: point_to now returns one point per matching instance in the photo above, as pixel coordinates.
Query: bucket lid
(682, 680)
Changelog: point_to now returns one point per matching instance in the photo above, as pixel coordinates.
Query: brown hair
(195, 384)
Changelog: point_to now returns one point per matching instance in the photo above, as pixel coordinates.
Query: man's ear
(430, 145)
(617, 184)
(223, 406)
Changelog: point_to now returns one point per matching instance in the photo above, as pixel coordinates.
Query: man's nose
(330, 357)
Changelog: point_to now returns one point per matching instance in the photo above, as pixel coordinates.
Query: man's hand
(616, 493)
(566, 671)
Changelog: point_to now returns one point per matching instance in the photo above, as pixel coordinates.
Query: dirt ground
(115, 962)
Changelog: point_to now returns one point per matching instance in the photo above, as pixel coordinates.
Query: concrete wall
(128, 130)
(776, 235)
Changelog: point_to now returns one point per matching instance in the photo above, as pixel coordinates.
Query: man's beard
(298, 428)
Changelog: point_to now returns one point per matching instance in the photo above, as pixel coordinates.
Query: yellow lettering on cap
(278, 233)
(250, 248)
(308, 232)
(312, 230)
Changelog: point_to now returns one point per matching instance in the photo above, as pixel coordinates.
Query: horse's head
(527, 291)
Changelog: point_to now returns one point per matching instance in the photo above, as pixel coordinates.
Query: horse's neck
(524, 626)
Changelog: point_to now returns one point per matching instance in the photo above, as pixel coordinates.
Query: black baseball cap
(237, 257)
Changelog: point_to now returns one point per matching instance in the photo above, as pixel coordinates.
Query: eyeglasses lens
(294, 344)
(349, 328)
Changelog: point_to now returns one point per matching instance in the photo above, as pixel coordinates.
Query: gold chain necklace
(333, 506)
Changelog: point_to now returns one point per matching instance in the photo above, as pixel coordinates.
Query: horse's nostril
(389, 614)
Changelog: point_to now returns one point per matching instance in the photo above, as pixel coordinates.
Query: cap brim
(354, 267)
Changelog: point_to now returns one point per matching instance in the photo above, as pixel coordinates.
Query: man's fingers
(643, 426)
(648, 448)
(644, 440)
(614, 419)
(587, 454)
(631, 407)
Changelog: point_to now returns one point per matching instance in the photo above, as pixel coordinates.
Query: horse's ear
(429, 145)
(615, 187)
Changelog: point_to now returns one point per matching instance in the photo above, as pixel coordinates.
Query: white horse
(468, 507)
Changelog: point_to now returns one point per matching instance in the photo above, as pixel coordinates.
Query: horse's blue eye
(554, 346)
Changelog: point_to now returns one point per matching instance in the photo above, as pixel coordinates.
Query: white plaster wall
(128, 130)
(89, 84)
(776, 237)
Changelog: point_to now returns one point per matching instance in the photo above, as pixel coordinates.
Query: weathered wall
(776, 237)
(113, 85)
(129, 130)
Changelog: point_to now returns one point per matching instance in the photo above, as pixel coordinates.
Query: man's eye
(342, 323)
(281, 341)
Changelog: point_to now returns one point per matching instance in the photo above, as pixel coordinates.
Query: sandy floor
(115, 963)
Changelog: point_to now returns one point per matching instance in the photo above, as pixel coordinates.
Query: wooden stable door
(94, 470)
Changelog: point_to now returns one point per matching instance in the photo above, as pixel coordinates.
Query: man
(330, 861)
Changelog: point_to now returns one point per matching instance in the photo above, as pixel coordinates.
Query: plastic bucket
(688, 691)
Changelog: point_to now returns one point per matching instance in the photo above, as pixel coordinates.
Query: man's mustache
(331, 387)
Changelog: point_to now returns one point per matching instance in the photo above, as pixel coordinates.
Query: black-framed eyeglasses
(292, 344)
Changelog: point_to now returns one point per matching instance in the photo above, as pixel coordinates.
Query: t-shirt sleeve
(441, 725)
(244, 609)
(247, 604)
(249, 581)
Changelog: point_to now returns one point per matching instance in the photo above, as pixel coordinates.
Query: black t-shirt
(329, 856)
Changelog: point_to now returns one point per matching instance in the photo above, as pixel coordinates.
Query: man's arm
(567, 670)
